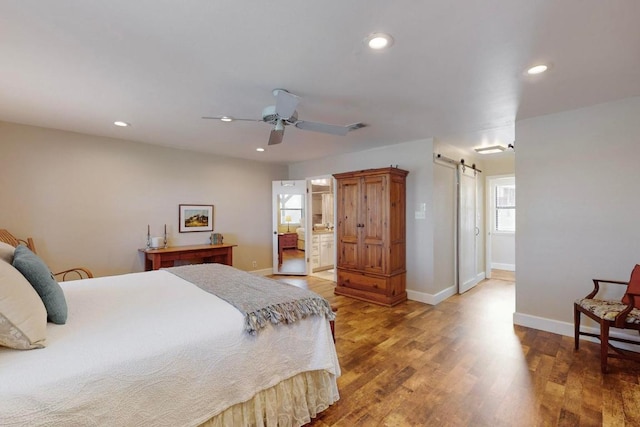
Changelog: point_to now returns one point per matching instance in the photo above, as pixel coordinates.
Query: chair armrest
(619, 282)
(82, 273)
(621, 319)
(596, 286)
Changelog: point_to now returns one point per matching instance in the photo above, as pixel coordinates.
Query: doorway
(289, 208)
(320, 228)
(501, 225)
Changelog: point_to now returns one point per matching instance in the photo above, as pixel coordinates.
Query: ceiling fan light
(492, 149)
(226, 119)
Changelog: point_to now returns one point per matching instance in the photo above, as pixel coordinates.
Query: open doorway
(320, 229)
(303, 228)
(289, 201)
(501, 232)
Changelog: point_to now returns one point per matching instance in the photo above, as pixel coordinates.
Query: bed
(300, 233)
(153, 348)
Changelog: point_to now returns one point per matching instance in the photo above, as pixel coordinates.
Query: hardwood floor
(464, 363)
(503, 275)
(292, 261)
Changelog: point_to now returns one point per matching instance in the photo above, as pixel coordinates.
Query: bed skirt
(292, 402)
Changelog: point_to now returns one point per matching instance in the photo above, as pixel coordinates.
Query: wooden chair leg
(576, 325)
(604, 345)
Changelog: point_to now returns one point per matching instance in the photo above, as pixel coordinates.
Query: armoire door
(373, 224)
(348, 222)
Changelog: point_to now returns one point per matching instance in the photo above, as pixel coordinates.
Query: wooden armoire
(371, 234)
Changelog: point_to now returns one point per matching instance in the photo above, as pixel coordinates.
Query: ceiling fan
(284, 113)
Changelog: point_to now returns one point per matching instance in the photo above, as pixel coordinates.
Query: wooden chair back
(10, 239)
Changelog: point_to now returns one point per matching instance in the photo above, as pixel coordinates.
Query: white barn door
(467, 229)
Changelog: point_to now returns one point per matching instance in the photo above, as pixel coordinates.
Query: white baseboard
(501, 266)
(432, 299)
(543, 324)
(435, 299)
(566, 329)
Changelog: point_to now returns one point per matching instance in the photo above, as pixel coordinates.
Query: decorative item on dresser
(371, 234)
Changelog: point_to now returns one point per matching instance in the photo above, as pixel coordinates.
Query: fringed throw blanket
(259, 299)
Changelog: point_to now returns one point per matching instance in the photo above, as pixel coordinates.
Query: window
(291, 206)
(506, 208)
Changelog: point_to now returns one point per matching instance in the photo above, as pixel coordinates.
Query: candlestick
(165, 235)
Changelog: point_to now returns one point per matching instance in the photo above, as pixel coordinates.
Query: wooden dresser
(166, 257)
(286, 241)
(371, 234)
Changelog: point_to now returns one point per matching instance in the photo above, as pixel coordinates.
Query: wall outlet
(254, 264)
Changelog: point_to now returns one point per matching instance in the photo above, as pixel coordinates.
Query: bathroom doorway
(319, 232)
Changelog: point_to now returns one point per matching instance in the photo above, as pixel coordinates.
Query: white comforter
(151, 349)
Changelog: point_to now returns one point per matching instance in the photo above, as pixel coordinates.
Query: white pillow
(23, 317)
(6, 252)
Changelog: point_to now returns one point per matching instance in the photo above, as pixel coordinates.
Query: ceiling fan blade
(323, 127)
(276, 136)
(233, 119)
(286, 103)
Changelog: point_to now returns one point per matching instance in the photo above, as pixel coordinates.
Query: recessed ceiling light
(121, 124)
(377, 41)
(226, 119)
(260, 149)
(537, 69)
(490, 149)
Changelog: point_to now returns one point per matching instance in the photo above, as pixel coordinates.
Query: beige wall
(577, 180)
(87, 200)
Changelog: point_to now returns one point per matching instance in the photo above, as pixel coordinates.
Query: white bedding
(300, 232)
(152, 349)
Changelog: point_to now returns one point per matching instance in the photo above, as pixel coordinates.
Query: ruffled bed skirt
(292, 402)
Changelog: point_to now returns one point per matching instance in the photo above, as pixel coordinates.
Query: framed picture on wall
(196, 218)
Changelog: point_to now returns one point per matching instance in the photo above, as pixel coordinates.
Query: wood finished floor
(464, 363)
(292, 261)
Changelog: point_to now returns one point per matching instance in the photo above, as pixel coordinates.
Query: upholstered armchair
(609, 314)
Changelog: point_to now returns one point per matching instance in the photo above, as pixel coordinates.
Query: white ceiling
(455, 71)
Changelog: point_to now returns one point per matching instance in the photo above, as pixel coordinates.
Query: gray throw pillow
(42, 280)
